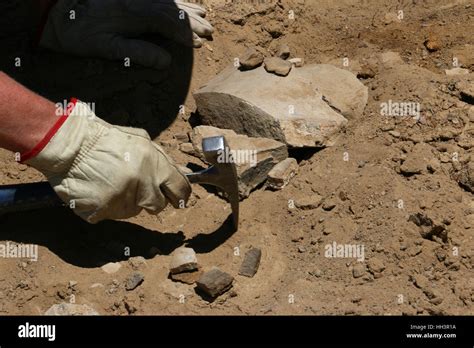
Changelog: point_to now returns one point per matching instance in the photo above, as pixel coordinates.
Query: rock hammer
(221, 173)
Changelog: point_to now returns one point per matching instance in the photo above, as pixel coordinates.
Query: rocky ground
(401, 187)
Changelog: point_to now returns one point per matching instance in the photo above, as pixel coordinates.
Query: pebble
(181, 137)
(134, 280)
(251, 262)
(432, 44)
(283, 51)
(215, 282)
(309, 202)
(375, 265)
(456, 71)
(358, 270)
(329, 204)
(111, 267)
(188, 148)
(420, 281)
(251, 59)
(136, 262)
(187, 277)
(280, 175)
(277, 66)
(297, 62)
(183, 259)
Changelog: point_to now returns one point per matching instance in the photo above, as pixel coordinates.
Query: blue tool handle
(23, 197)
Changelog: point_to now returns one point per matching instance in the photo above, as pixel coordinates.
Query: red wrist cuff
(41, 145)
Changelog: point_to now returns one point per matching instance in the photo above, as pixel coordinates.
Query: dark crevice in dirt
(303, 154)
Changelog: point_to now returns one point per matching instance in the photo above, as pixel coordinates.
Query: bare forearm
(25, 117)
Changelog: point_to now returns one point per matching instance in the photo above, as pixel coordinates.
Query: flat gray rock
(215, 282)
(277, 66)
(307, 108)
(134, 280)
(251, 262)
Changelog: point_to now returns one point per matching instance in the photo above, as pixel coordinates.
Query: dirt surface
(398, 186)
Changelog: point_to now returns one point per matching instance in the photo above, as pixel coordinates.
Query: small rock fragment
(432, 44)
(134, 280)
(329, 204)
(433, 165)
(456, 71)
(417, 160)
(70, 309)
(358, 270)
(420, 281)
(281, 173)
(181, 137)
(136, 262)
(187, 277)
(215, 282)
(297, 62)
(429, 228)
(188, 148)
(283, 52)
(251, 59)
(277, 66)
(375, 265)
(273, 29)
(308, 203)
(111, 267)
(415, 250)
(394, 134)
(251, 262)
(184, 259)
(465, 177)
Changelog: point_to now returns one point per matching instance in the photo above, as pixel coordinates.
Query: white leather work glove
(106, 171)
(109, 28)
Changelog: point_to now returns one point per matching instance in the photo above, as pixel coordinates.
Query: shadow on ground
(85, 245)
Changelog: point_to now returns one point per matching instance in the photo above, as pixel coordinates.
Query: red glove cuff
(41, 145)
